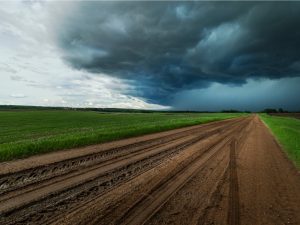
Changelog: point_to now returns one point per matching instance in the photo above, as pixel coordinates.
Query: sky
(151, 55)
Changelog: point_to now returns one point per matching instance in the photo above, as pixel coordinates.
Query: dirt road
(226, 172)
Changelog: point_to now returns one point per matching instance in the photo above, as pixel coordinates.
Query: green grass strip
(287, 132)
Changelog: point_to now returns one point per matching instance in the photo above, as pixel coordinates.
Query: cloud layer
(165, 48)
(31, 68)
(154, 55)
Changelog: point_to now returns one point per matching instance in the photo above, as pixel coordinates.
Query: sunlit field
(25, 133)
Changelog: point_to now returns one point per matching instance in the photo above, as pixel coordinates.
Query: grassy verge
(25, 133)
(287, 131)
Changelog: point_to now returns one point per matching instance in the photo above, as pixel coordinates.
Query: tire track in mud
(44, 206)
(107, 180)
(208, 208)
(215, 197)
(259, 186)
(215, 140)
(212, 211)
(124, 155)
(234, 204)
(12, 181)
(64, 177)
(148, 205)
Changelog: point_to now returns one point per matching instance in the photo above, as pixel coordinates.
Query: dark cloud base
(163, 48)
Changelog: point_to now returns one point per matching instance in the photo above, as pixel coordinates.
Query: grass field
(25, 133)
(287, 131)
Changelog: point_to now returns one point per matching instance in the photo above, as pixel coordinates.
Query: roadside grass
(287, 131)
(25, 133)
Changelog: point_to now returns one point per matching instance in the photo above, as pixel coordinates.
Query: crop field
(25, 133)
(294, 115)
(287, 131)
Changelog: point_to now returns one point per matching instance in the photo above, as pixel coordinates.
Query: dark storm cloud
(166, 47)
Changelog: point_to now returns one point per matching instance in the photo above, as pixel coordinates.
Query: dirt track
(227, 172)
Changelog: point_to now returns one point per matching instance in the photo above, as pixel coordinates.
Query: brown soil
(226, 172)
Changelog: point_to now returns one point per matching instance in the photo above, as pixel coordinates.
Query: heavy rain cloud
(165, 48)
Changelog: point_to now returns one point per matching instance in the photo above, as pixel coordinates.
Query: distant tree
(270, 110)
(280, 110)
(230, 111)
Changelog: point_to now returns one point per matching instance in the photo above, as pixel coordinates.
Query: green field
(24, 133)
(287, 131)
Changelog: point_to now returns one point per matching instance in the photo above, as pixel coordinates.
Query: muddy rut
(225, 172)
